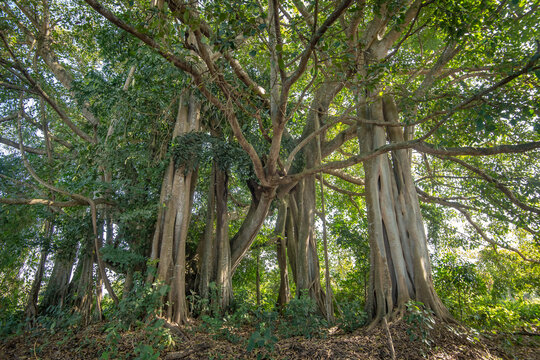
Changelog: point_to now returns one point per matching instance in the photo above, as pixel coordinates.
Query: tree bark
(83, 279)
(169, 241)
(223, 274)
(281, 250)
(207, 249)
(58, 284)
(400, 266)
(307, 266)
(31, 310)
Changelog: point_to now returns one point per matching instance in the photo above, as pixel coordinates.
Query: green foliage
(12, 324)
(420, 321)
(263, 340)
(192, 149)
(122, 258)
(301, 318)
(505, 315)
(139, 304)
(499, 293)
(455, 281)
(214, 321)
(57, 318)
(353, 316)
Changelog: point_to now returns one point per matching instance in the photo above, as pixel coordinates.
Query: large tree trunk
(307, 261)
(31, 305)
(223, 270)
(169, 242)
(82, 282)
(281, 250)
(207, 248)
(58, 284)
(400, 265)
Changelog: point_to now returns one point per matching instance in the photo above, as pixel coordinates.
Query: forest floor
(191, 342)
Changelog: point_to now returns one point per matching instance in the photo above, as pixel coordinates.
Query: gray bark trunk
(58, 284)
(400, 265)
(207, 249)
(224, 274)
(281, 250)
(169, 241)
(83, 281)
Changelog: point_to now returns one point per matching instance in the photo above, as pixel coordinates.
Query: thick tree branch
(17, 146)
(340, 9)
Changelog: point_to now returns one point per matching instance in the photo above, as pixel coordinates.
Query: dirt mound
(442, 342)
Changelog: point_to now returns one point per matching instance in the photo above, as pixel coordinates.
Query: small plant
(56, 318)
(136, 311)
(264, 340)
(146, 352)
(113, 339)
(353, 316)
(301, 318)
(420, 322)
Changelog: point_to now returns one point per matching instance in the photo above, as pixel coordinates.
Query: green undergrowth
(256, 329)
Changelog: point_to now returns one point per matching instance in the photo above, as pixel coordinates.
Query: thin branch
(491, 241)
(427, 148)
(52, 203)
(9, 118)
(436, 200)
(478, 96)
(179, 63)
(305, 141)
(506, 191)
(344, 176)
(339, 190)
(63, 115)
(462, 209)
(340, 9)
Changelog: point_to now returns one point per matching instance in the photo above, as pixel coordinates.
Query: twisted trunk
(400, 265)
(169, 242)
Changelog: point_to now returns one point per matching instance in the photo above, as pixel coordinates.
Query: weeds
(421, 322)
(301, 318)
(353, 316)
